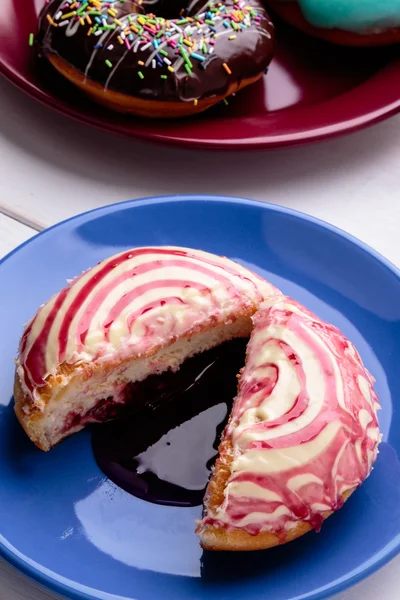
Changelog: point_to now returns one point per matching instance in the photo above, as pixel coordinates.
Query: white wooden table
(52, 168)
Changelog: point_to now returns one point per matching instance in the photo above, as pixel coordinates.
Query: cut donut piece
(138, 313)
(302, 436)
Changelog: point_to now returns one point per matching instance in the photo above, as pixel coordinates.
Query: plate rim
(67, 587)
(365, 117)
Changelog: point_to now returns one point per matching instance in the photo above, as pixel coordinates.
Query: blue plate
(63, 523)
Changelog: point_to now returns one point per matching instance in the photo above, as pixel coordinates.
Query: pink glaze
(140, 290)
(131, 301)
(322, 353)
(97, 300)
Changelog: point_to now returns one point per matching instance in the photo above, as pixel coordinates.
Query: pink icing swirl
(304, 425)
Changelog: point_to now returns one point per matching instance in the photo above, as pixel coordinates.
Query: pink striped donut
(303, 433)
(140, 312)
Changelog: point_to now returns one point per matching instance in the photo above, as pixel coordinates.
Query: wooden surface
(52, 168)
(12, 234)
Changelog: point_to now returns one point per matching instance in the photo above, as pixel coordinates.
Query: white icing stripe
(283, 459)
(299, 481)
(288, 388)
(246, 488)
(257, 517)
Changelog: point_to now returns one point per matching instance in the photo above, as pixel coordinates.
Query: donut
(303, 433)
(155, 58)
(344, 22)
(139, 313)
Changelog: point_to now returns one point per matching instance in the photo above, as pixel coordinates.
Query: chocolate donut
(157, 58)
(344, 22)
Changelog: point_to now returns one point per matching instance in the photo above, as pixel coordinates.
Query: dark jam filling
(164, 443)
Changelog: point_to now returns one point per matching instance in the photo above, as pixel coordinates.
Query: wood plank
(12, 234)
(351, 182)
(16, 586)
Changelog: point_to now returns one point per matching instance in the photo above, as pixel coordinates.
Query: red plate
(313, 91)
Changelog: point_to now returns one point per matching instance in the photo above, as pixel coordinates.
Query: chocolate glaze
(175, 431)
(247, 55)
